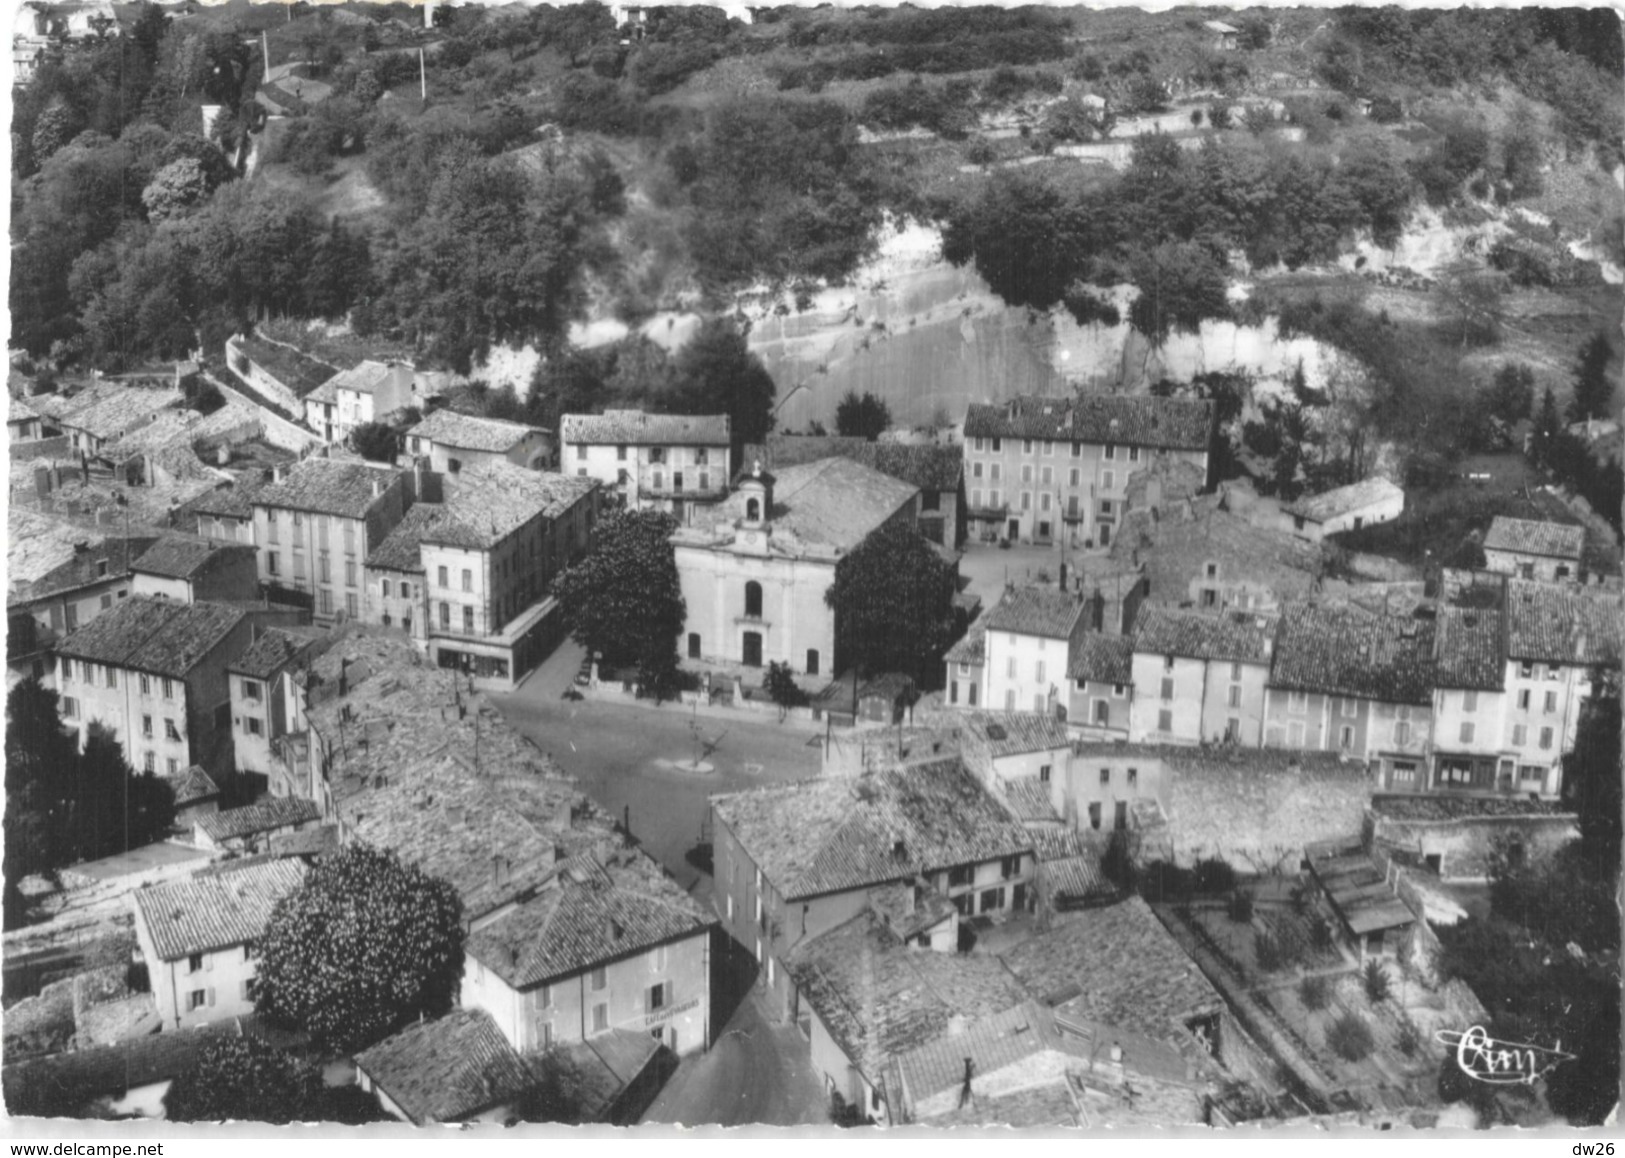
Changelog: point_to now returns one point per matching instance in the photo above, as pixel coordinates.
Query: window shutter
(208, 966)
(211, 995)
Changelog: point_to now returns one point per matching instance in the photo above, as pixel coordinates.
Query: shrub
(1314, 992)
(1271, 957)
(1320, 934)
(1349, 1038)
(1241, 906)
(1375, 979)
(1214, 876)
(1409, 1037)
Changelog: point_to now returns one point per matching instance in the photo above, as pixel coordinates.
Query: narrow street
(757, 1073)
(625, 756)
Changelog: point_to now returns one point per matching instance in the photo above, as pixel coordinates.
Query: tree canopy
(242, 1079)
(864, 416)
(1593, 387)
(716, 373)
(623, 600)
(363, 946)
(893, 602)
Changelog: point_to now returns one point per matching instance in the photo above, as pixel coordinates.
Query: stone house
(1030, 634)
(199, 938)
(24, 422)
(1470, 750)
(1101, 671)
(253, 827)
(1043, 470)
(1458, 837)
(262, 710)
(677, 463)
(458, 1068)
(754, 573)
(964, 665)
(452, 441)
(107, 411)
(278, 373)
(367, 392)
(315, 525)
(1362, 504)
(95, 578)
(196, 570)
(1209, 672)
(154, 673)
(1549, 552)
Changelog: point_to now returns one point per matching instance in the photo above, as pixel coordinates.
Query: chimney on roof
(616, 930)
(279, 472)
(1580, 646)
(377, 487)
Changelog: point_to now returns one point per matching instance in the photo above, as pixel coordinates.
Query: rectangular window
(1526, 670)
(1044, 501)
(998, 445)
(1010, 667)
(1402, 732)
(1234, 700)
(468, 620)
(1105, 777)
(1554, 671)
(1049, 447)
(196, 999)
(992, 900)
(70, 708)
(1044, 773)
(1038, 702)
(1295, 734)
(994, 472)
(255, 728)
(1523, 700)
(468, 579)
(976, 470)
(658, 997)
(1545, 739)
(1469, 701)
(349, 572)
(194, 963)
(600, 1017)
(112, 677)
(1345, 739)
(1466, 732)
(324, 602)
(1168, 688)
(352, 604)
(1026, 446)
(170, 731)
(444, 578)
(599, 980)
(1297, 701)
(324, 567)
(1111, 452)
(1039, 668)
(1047, 475)
(1520, 735)
(1551, 702)
(1165, 721)
(149, 761)
(107, 601)
(1094, 816)
(1072, 477)
(445, 615)
(1351, 709)
(173, 765)
(962, 875)
(1026, 474)
(321, 529)
(251, 689)
(1133, 777)
(1134, 454)
(146, 726)
(1108, 480)
(976, 444)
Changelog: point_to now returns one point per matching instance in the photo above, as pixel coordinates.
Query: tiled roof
(1341, 652)
(1450, 808)
(488, 501)
(466, 432)
(1562, 623)
(362, 378)
(1127, 968)
(231, 501)
(927, 466)
(1045, 611)
(898, 910)
(208, 913)
(98, 563)
(328, 487)
(879, 999)
(833, 503)
(588, 1076)
(1236, 636)
(18, 410)
(826, 836)
(37, 544)
(1175, 543)
(637, 428)
(972, 646)
(401, 549)
(273, 651)
(1015, 733)
(1527, 537)
(1107, 659)
(263, 816)
(297, 371)
(1028, 800)
(192, 785)
(1344, 500)
(991, 1044)
(588, 914)
(182, 556)
(1170, 423)
(447, 1070)
(115, 412)
(153, 635)
(114, 1069)
(1467, 649)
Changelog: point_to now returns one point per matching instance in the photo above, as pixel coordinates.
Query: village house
(1209, 672)
(200, 937)
(1002, 747)
(1353, 683)
(458, 1068)
(221, 513)
(938, 472)
(396, 595)
(863, 999)
(278, 373)
(1045, 469)
(1469, 709)
(1032, 1067)
(262, 706)
(316, 524)
(253, 827)
(1100, 670)
(502, 535)
(1549, 552)
(153, 672)
(608, 943)
(196, 570)
(1196, 553)
(1460, 837)
(95, 579)
(367, 392)
(1557, 635)
(963, 666)
(1102, 785)
(196, 794)
(677, 463)
(755, 569)
(24, 423)
(1355, 889)
(107, 411)
(1029, 643)
(797, 860)
(609, 1079)
(1362, 504)
(452, 441)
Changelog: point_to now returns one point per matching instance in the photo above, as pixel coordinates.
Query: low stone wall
(278, 431)
(1466, 845)
(58, 446)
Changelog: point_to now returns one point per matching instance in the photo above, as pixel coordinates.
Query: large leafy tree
(623, 600)
(365, 945)
(39, 760)
(862, 416)
(716, 373)
(243, 1079)
(1593, 389)
(893, 603)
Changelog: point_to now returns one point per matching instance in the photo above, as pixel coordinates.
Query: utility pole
(423, 77)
